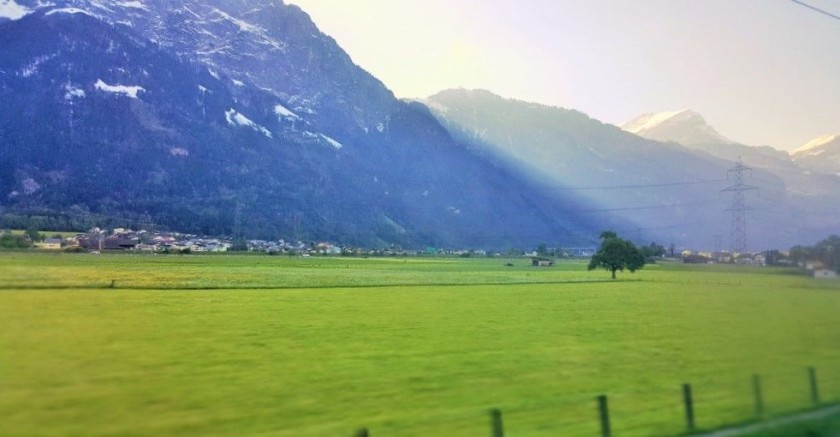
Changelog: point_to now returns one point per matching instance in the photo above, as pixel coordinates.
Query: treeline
(75, 219)
(185, 217)
(9, 241)
(826, 252)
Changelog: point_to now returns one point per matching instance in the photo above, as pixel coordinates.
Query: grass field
(259, 345)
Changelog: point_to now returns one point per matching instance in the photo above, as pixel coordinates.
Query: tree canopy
(652, 252)
(616, 254)
(826, 252)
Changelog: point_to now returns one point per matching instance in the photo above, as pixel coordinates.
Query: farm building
(825, 274)
(542, 262)
(50, 244)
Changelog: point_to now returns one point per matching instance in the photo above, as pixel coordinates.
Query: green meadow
(261, 345)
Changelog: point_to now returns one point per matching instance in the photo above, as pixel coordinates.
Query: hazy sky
(760, 71)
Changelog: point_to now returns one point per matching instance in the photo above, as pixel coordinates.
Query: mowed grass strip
(147, 271)
(413, 360)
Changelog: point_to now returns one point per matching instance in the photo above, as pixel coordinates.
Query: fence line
(604, 408)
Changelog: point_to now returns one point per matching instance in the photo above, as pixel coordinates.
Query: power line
(626, 187)
(431, 184)
(639, 208)
(821, 198)
(814, 8)
(683, 225)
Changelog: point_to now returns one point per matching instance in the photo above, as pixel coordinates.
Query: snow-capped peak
(650, 120)
(685, 127)
(818, 142)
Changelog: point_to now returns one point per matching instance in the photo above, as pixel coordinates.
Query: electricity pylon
(739, 208)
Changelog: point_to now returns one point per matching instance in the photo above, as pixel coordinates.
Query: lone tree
(616, 254)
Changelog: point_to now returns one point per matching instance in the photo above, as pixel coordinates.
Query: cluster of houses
(813, 268)
(119, 239)
(98, 240)
(723, 257)
(145, 241)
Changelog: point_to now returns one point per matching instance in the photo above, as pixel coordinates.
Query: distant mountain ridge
(663, 190)
(573, 152)
(239, 118)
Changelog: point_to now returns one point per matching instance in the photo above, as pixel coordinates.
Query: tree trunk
(613, 273)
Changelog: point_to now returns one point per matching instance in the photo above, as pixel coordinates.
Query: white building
(825, 274)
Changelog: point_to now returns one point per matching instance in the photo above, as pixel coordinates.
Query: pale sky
(763, 72)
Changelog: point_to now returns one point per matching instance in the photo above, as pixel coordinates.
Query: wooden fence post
(815, 393)
(689, 406)
(759, 398)
(496, 426)
(604, 412)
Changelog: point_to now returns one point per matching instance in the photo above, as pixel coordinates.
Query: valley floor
(324, 346)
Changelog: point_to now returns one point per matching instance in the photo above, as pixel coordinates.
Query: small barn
(825, 274)
(50, 243)
(542, 262)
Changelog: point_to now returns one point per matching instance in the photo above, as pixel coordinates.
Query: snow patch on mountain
(70, 11)
(13, 11)
(179, 152)
(99, 5)
(245, 26)
(134, 5)
(32, 68)
(808, 148)
(332, 142)
(234, 118)
(284, 112)
(72, 92)
(130, 91)
(650, 121)
(321, 137)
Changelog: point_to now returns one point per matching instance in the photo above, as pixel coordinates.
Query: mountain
(239, 118)
(806, 202)
(628, 176)
(690, 129)
(662, 191)
(685, 127)
(820, 155)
